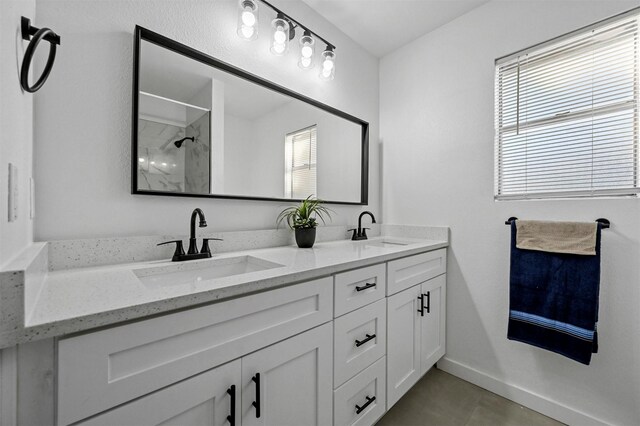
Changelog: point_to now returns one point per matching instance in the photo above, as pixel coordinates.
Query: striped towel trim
(563, 327)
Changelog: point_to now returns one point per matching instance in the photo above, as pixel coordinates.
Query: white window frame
(508, 185)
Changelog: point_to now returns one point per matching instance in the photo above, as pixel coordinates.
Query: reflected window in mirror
(301, 163)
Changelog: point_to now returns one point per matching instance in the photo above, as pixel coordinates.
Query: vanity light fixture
(248, 19)
(283, 30)
(281, 33)
(306, 51)
(328, 69)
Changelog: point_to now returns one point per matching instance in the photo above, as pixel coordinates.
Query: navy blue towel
(553, 300)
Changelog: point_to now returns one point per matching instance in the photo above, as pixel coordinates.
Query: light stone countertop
(61, 302)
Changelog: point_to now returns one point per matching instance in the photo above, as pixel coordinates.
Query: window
(300, 163)
(567, 115)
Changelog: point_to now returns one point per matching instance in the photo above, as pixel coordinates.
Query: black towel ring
(38, 35)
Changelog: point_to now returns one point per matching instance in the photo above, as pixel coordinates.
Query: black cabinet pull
(256, 403)
(231, 418)
(421, 301)
(363, 341)
(370, 399)
(366, 286)
(428, 302)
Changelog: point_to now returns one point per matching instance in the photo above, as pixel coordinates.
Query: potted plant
(303, 219)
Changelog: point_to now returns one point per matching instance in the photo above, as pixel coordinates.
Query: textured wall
(436, 101)
(16, 124)
(83, 116)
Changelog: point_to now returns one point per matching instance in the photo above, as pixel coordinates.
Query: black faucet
(361, 233)
(193, 253)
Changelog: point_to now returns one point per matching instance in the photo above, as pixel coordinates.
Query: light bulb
(306, 51)
(141, 160)
(247, 32)
(248, 18)
(164, 164)
(328, 64)
(305, 62)
(279, 36)
(153, 162)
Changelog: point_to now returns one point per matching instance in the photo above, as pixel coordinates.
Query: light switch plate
(13, 193)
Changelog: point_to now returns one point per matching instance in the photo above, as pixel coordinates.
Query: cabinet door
(403, 343)
(200, 400)
(433, 323)
(290, 383)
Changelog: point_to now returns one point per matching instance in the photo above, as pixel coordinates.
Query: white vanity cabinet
(289, 383)
(360, 345)
(101, 370)
(210, 398)
(415, 321)
(337, 350)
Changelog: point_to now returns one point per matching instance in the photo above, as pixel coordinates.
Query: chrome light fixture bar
(283, 29)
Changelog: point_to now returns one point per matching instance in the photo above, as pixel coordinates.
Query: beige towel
(557, 237)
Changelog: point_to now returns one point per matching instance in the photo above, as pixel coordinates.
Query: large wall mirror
(203, 128)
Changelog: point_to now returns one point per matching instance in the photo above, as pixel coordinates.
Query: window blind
(567, 116)
(301, 161)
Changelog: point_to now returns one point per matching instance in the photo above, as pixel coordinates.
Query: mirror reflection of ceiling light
(282, 31)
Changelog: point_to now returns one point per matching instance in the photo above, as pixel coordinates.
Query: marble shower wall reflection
(174, 149)
(198, 157)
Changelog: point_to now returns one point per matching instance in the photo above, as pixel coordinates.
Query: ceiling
(382, 26)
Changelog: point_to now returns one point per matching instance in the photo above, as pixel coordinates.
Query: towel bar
(604, 223)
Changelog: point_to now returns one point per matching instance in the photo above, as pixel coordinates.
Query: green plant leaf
(302, 215)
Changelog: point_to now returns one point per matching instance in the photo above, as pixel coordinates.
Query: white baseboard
(539, 403)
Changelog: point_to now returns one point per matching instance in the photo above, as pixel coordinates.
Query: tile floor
(440, 399)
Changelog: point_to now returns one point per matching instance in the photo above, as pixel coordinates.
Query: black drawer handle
(421, 301)
(363, 341)
(256, 403)
(370, 399)
(366, 286)
(232, 416)
(428, 302)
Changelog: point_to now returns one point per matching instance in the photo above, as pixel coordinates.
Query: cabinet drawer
(357, 288)
(409, 271)
(97, 371)
(354, 348)
(350, 398)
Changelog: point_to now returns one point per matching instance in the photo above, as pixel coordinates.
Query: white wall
(16, 124)
(83, 116)
(436, 120)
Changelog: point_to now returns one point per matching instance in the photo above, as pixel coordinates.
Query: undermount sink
(386, 243)
(196, 271)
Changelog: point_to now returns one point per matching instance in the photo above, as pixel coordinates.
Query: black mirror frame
(153, 37)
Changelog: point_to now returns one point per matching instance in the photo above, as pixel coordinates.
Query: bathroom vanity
(333, 335)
